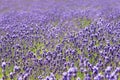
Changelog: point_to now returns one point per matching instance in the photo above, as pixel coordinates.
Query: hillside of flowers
(59, 39)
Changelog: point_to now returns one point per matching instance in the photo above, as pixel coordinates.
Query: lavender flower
(78, 40)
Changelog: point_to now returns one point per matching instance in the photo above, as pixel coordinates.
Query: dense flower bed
(61, 40)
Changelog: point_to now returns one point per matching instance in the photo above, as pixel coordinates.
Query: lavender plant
(70, 40)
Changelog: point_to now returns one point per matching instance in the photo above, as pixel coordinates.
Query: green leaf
(81, 75)
(1, 75)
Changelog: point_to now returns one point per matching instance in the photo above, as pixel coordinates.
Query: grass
(1, 75)
(85, 22)
(73, 78)
(37, 46)
(119, 78)
(55, 23)
(67, 58)
(58, 77)
(92, 59)
(97, 43)
(31, 77)
(82, 22)
(81, 75)
(78, 50)
(9, 69)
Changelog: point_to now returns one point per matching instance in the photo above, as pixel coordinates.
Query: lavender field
(59, 39)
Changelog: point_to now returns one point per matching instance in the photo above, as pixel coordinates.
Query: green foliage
(1, 75)
(85, 22)
(9, 69)
(81, 75)
(37, 46)
(58, 77)
(78, 50)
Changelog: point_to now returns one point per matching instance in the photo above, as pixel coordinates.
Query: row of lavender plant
(61, 44)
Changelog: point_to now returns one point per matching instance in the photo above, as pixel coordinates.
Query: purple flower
(11, 75)
(3, 65)
(95, 70)
(16, 68)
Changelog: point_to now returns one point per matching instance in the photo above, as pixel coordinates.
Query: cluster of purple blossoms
(60, 40)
